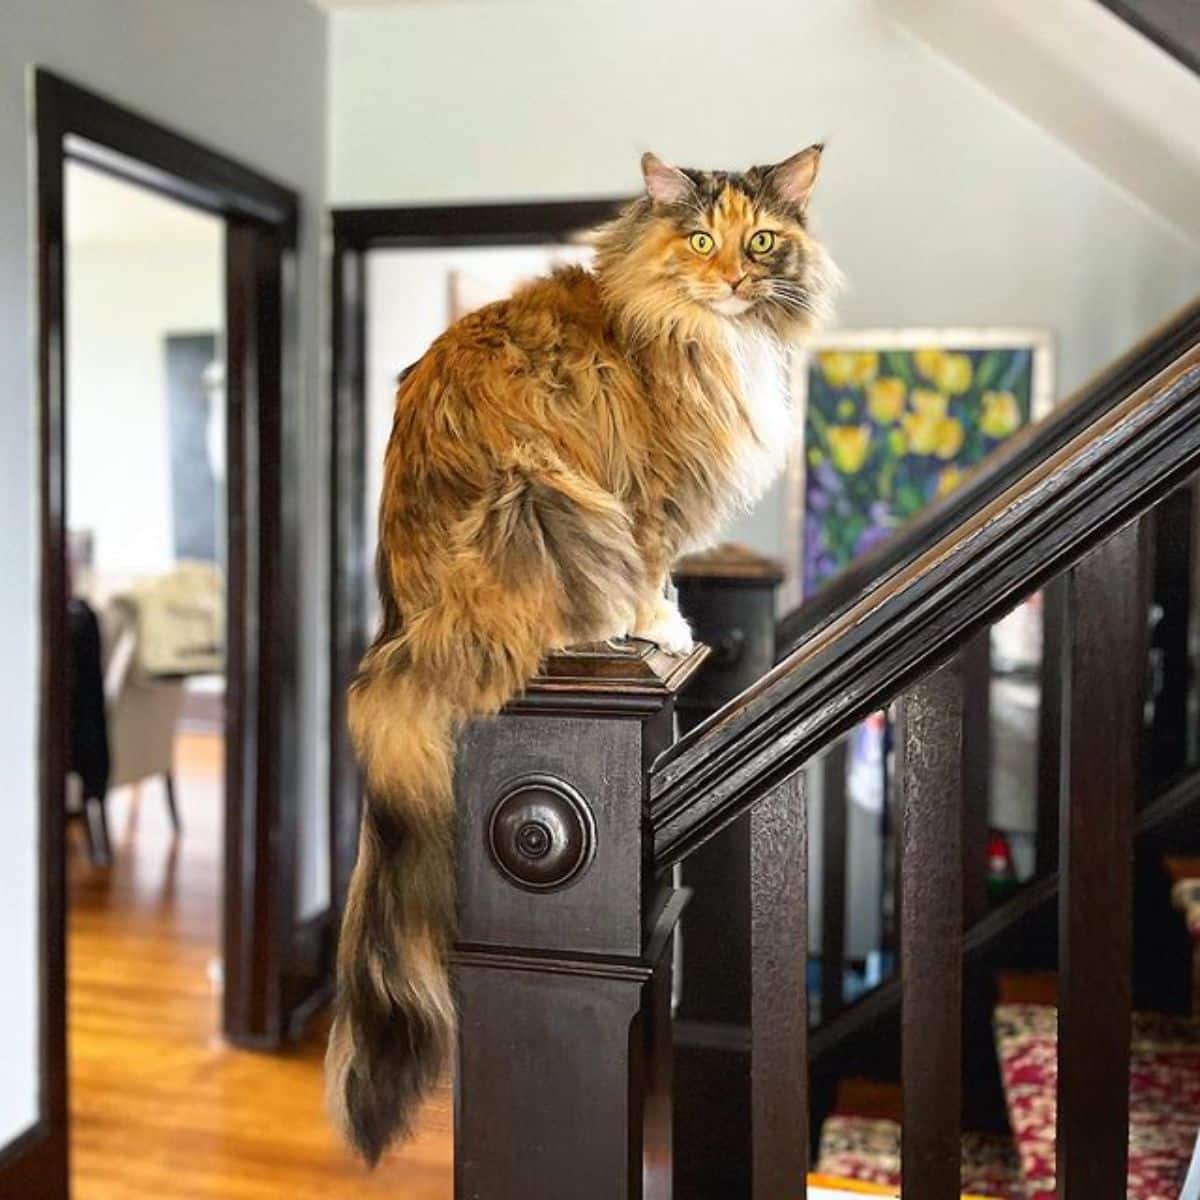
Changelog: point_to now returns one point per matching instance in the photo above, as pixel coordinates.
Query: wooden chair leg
(95, 821)
(172, 806)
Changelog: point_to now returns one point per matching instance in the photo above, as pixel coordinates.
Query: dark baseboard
(308, 978)
(35, 1164)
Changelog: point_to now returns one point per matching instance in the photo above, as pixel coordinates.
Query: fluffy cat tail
(394, 1027)
(542, 541)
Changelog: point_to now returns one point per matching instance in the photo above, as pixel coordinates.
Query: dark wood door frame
(357, 231)
(261, 218)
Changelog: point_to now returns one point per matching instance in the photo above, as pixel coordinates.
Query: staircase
(604, 1057)
(861, 1140)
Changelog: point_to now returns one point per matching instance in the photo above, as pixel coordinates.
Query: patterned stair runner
(867, 1150)
(1164, 1098)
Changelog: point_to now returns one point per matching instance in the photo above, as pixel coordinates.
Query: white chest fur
(761, 365)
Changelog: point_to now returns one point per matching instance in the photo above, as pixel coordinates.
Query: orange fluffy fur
(551, 455)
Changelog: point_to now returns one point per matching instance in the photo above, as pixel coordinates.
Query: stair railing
(576, 809)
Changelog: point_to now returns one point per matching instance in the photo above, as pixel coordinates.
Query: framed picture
(893, 420)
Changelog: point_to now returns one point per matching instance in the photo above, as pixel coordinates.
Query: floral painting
(892, 422)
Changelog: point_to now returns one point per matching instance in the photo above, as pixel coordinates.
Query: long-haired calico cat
(550, 456)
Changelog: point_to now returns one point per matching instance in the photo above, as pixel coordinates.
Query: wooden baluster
(977, 767)
(563, 966)
(1166, 747)
(779, 1007)
(1050, 722)
(834, 822)
(1106, 605)
(728, 597)
(931, 782)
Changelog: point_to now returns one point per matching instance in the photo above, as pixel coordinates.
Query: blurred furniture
(88, 756)
(142, 712)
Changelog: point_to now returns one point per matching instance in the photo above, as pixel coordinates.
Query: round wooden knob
(541, 833)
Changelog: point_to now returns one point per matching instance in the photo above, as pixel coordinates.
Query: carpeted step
(1164, 1097)
(867, 1150)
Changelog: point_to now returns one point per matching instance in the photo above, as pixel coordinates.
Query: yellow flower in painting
(897, 443)
(837, 367)
(948, 480)
(924, 425)
(929, 404)
(846, 410)
(955, 374)
(929, 363)
(844, 368)
(849, 446)
(885, 400)
(950, 438)
(1001, 414)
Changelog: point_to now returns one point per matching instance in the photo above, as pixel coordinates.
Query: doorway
(251, 543)
(146, 537)
(399, 277)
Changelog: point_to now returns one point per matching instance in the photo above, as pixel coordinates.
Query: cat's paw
(667, 629)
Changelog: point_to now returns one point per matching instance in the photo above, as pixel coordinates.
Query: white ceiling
(1087, 78)
(102, 210)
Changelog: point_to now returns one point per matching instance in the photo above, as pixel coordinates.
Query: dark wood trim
(779, 994)
(259, 892)
(1106, 606)
(357, 231)
(1165, 746)
(1050, 723)
(930, 738)
(42, 1164)
(1123, 463)
(73, 123)
(504, 223)
(124, 143)
(834, 834)
(1172, 25)
(308, 977)
(977, 773)
(347, 528)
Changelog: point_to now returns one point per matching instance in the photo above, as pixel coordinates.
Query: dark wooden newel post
(563, 968)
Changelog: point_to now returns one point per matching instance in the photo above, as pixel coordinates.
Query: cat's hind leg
(543, 521)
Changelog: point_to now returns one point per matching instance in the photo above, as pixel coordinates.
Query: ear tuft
(665, 184)
(793, 179)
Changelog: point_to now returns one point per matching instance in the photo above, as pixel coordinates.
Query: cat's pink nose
(735, 281)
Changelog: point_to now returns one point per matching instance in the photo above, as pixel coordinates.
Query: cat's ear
(664, 184)
(793, 178)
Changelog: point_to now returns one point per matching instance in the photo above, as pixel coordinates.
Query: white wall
(943, 205)
(127, 290)
(248, 79)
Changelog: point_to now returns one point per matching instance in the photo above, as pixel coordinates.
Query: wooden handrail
(1140, 364)
(1122, 461)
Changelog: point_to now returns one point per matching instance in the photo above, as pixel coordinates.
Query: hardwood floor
(161, 1108)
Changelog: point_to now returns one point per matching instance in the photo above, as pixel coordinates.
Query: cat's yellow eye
(762, 242)
(702, 243)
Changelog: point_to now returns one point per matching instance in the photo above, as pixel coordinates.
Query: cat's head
(732, 245)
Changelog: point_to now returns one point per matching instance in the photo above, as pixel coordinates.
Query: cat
(550, 456)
